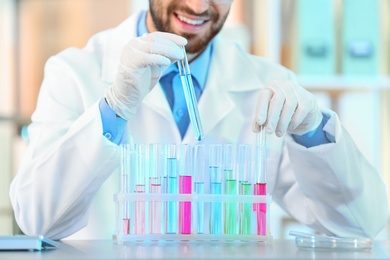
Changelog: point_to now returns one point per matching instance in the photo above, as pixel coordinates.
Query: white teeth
(189, 21)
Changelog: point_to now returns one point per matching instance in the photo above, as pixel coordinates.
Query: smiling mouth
(190, 21)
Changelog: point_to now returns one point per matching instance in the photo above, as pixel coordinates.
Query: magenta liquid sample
(185, 187)
(261, 209)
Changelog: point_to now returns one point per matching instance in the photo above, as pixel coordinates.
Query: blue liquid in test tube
(199, 189)
(216, 207)
(171, 211)
(215, 164)
(199, 176)
(189, 94)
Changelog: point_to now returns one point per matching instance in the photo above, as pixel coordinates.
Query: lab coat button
(108, 135)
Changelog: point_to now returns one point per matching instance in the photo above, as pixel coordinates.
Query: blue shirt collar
(199, 67)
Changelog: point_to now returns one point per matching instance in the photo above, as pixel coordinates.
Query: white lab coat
(66, 182)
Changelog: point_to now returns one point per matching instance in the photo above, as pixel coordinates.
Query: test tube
(171, 206)
(139, 206)
(154, 187)
(124, 186)
(185, 187)
(230, 181)
(245, 186)
(189, 94)
(199, 183)
(215, 161)
(260, 187)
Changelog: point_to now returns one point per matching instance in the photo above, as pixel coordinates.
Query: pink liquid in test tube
(139, 212)
(261, 209)
(155, 210)
(185, 187)
(126, 226)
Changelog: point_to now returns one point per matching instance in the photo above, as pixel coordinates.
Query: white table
(279, 249)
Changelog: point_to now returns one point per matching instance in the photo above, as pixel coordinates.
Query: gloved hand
(284, 106)
(142, 62)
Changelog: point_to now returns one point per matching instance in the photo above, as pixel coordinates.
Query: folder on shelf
(316, 38)
(360, 39)
(23, 242)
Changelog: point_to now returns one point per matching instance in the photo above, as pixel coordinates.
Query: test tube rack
(190, 210)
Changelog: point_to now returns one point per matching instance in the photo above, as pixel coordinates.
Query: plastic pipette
(260, 182)
(189, 94)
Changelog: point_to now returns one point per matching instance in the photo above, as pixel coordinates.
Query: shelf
(329, 83)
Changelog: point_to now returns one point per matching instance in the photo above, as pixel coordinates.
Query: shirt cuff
(113, 126)
(315, 137)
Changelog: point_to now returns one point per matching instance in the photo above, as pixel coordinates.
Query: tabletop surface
(279, 249)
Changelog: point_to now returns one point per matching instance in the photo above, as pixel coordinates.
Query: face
(196, 20)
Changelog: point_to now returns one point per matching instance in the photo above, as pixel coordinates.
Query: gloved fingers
(297, 119)
(165, 44)
(286, 115)
(169, 37)
(255, 127)
(138, 55)
(289, 106)
(153, 49)
(307, 118)
(261, 111)
(276, 106)
(154, 59)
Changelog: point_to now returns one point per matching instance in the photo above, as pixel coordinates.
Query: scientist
(124, 85)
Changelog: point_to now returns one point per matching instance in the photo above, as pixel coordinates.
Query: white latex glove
(284, 106)
(142, 62)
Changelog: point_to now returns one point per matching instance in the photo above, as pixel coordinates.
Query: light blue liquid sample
(216, 210)
(172, 188)
(199, 189)
(192, 105)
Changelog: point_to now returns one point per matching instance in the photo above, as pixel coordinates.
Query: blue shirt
(114, 127)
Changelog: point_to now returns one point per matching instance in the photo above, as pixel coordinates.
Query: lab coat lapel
(156, 101)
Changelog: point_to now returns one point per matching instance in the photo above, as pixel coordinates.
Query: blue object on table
(23, 242)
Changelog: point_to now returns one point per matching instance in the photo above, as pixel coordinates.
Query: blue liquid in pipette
(216, 210)
(192, 105)
(199, 189)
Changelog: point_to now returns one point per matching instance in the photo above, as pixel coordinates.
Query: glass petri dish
(322, 242)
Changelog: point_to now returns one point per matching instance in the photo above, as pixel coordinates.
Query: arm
(324, 182)
(67, 160)
(332, 187)
(71, 154)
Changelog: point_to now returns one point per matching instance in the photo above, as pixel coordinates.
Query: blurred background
(339, 50)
